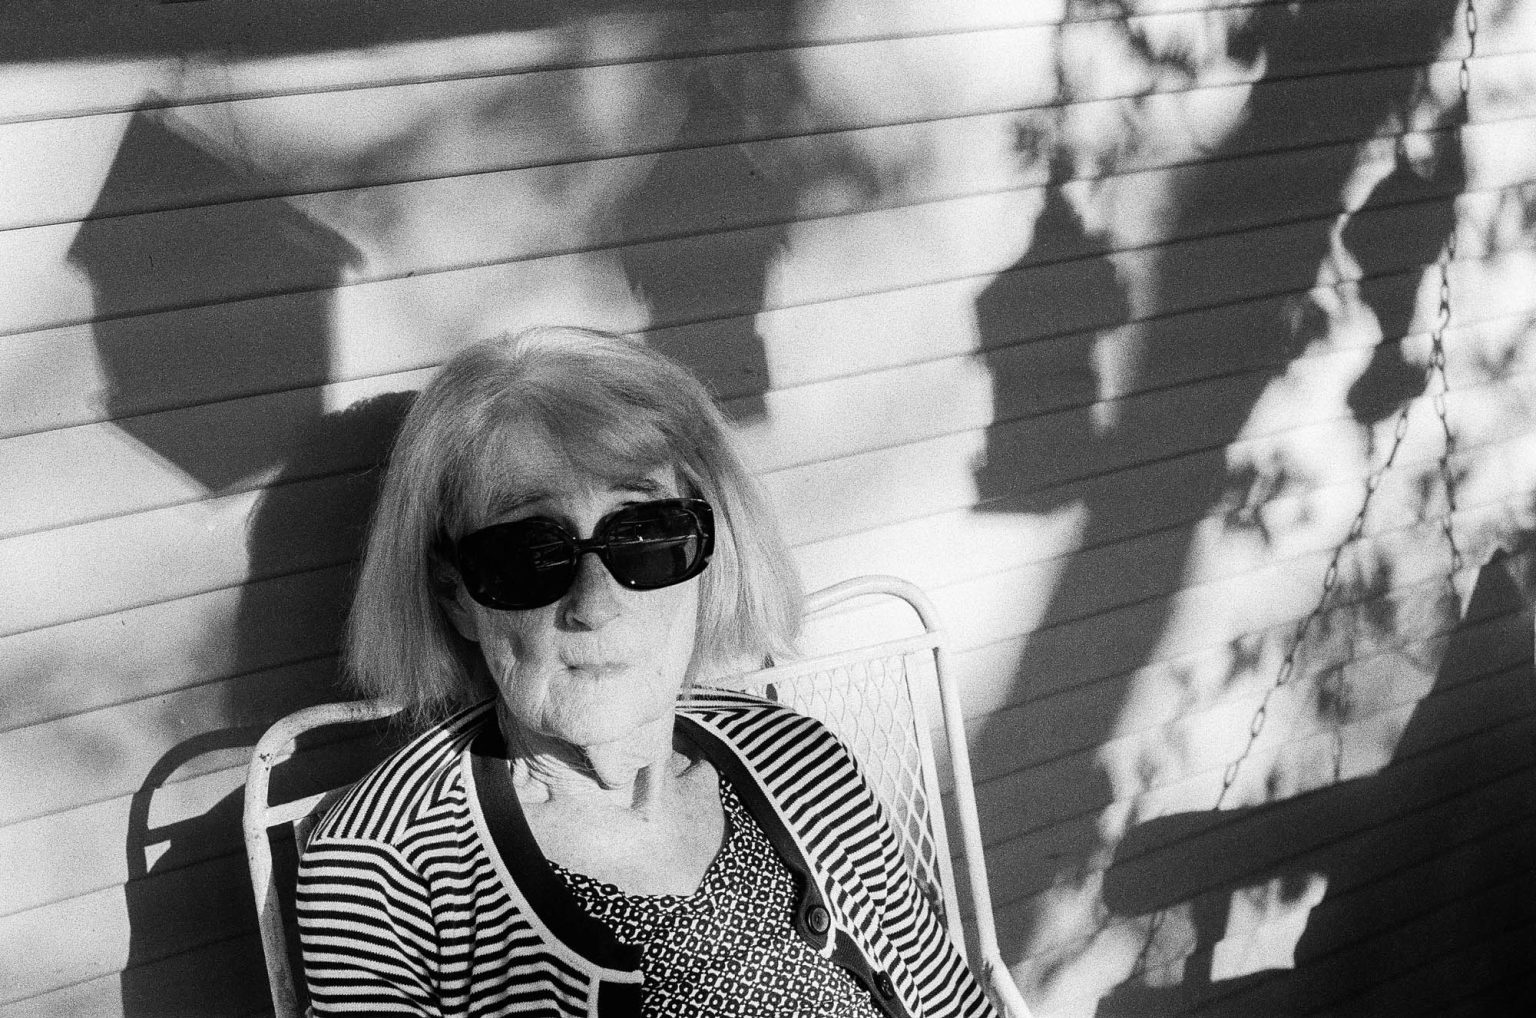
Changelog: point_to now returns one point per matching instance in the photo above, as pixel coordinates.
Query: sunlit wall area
(1183, 350)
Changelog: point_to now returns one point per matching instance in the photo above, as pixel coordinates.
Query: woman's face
(603, 661)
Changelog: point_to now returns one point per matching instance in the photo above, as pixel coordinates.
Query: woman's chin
(608, 721)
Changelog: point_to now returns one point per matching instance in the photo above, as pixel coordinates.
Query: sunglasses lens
(531, 563)
(527, 564)
(655, 545)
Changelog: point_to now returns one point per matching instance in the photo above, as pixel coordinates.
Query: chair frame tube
(259, 819)
(994, 971)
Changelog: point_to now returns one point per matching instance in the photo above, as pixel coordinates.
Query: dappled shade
(1197, 333)
(1430, 896)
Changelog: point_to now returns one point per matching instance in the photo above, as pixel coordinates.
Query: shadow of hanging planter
(184, 297)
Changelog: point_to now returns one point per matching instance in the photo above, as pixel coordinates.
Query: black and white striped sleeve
(943, 981)
(365, 925)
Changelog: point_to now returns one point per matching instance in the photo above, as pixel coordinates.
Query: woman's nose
(593, 599)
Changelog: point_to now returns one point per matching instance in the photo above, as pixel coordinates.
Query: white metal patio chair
(874, 695)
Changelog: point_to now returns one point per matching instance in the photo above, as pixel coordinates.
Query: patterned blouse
(729, 949)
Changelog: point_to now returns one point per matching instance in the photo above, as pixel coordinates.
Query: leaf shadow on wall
(188, 377)
(1390, 380)
(1430, 899)
(1017, 475)
(705, 282)
(1143, 477)
(729, 270)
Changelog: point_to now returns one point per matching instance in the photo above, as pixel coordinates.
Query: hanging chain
(1464, 76)
(1441, 382)
(1436, 380)
(1330, 583)
(1438, 377)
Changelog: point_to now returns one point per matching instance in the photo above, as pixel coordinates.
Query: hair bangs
(610, 439)
(610, 446)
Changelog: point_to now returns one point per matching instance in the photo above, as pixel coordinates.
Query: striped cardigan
(423, 892)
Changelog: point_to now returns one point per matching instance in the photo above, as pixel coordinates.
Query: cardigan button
(819, 920)
(884, 985)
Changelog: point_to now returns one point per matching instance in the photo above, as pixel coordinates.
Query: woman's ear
(464, 618)
(454, 602)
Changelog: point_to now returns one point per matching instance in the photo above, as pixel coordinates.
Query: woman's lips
(596, 669)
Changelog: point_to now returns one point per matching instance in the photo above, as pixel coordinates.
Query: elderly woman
(565, 550)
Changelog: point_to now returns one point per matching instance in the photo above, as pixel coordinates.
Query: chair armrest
(1004, 990)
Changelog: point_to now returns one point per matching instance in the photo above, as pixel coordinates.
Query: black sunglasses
(531, 563)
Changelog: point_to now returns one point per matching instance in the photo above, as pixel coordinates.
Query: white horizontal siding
(178, 526)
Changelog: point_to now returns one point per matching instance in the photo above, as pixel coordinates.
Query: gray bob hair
(613, 405)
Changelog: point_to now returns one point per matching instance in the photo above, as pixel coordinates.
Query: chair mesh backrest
(869, 703)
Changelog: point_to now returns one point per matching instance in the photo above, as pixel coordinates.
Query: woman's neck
(637, 773)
